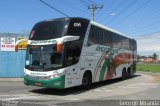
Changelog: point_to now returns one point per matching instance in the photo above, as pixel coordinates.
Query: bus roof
(109, 29)
(92, 22)
(65, 19)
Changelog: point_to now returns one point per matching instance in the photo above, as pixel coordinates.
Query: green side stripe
(98, 64)
(100, 59)
(105, 66)
(104, 69)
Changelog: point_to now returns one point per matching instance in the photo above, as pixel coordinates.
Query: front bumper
(58, 83)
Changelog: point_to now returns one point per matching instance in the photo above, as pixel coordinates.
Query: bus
(69, 52)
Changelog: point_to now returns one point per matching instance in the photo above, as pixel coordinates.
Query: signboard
(21, 43)
(7, 44)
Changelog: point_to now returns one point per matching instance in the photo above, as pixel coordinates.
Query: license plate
(38, 84)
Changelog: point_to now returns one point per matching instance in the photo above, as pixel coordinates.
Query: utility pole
(93, 8)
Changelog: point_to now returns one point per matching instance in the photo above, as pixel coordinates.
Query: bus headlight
(54, 76)
(25, 74)
(57, 83)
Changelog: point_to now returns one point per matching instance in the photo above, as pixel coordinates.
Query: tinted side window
(98, 35)
(125, 43)
(95, 35)
(134, 45)
(91, 36)
(116, 41)
(107, 38)
(130, 44)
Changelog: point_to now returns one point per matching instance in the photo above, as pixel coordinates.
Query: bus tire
(129, 73)
(124, 74)
(86, 81)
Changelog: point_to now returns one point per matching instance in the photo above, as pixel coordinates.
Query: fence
(12, 63)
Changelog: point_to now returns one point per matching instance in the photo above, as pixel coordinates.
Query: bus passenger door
(76, 73)
(72, 51)
(72, 76)
(69, 77)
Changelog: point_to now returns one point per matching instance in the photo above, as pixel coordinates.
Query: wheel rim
(124, 75)
(85, 81)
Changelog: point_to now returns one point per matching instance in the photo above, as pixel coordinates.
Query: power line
(84, 3)
(149, 25)
(69, 5)
(119, 4)
(53, 8)
(145, 18)
(140, 7)
(107, 9)
(87, 13)
(92, 1)
(123, 10)
(149, 33)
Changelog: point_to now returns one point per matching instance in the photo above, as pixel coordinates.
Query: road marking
(136, 85)
(108, 90)
(103, 88)
(17, 97)
(97, 90)
(143, 84)
(73, 99)
(130, 87)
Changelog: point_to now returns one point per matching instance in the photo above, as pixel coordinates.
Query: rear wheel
(86, 81)
(129, 73)
(124, 74)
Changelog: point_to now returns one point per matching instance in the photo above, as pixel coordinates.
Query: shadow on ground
(76, 90)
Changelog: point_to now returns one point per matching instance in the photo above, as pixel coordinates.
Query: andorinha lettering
(102, 48)
(44, 42)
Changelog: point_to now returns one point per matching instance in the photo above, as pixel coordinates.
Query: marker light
(59, 48)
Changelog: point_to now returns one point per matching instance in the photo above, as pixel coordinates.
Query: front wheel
(86, 81)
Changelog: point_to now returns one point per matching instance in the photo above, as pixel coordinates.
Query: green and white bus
(68, 52)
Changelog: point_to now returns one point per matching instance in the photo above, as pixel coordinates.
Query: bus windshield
(43, 57)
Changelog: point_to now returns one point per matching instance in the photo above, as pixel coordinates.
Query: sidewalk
(11, 79)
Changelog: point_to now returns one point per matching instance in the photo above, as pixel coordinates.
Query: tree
(155, 56)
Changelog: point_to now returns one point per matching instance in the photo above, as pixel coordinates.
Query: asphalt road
(143, 86)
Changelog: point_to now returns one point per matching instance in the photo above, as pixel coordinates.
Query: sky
(134, 18)
(148, 44)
